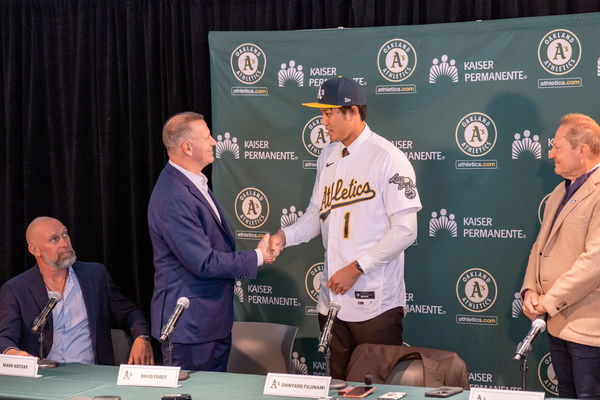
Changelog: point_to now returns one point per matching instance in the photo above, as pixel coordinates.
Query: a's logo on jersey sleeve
(404, 182)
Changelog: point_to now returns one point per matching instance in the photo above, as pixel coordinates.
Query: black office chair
(261, 347)
(121, 343)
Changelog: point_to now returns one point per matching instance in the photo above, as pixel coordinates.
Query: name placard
(19, 366)
(498, 394)
(148, 375)
(297, 385)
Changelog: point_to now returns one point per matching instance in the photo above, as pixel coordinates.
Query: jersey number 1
(346, 225)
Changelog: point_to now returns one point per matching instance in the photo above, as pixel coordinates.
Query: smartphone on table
(358, 392)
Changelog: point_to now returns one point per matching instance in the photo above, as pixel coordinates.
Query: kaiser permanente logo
(290, 72)
(445, 224)
(517, 305)
(547, 376)
(475, 71)
(429, 309)
(299, 364)
(444, 68)
(396, 61)
(252, 149)
(559, 52)
(475, 136)
(407, 146)
(263, 294)
(252, 210)
(248, 63)
(526, 146)
(476, 291)
(314, 138)
(288, 217)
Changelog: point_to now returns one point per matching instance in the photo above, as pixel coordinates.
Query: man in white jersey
(364, 204)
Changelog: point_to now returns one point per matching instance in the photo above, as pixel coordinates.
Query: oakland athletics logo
(559, 51)
(248, 63)
(251, 207)
(476, 134)
(396, 60)
(476, 290)
(314, 136)
(312, 280)
(547, 376)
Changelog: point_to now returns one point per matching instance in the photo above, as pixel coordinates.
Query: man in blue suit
(194, 250)
(78, 329)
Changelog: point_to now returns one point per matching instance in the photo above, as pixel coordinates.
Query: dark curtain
(86, 86)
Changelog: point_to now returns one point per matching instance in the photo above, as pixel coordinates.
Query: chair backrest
(407, 373)
(121, 343)
(408, 365)
(261, 347)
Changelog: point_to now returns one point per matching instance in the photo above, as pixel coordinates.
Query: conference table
(79, 382)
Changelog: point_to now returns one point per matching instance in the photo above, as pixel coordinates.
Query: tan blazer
(564, 264)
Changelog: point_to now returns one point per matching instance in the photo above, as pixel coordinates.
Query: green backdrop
(473, 105)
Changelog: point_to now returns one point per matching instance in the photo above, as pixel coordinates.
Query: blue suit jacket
(195, 257)
(23, 297)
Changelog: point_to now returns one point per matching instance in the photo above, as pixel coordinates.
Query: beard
(63, 261)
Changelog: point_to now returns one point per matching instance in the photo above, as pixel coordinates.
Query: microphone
(325, 337)
(41, 319)
(167, 330)
(537, 326)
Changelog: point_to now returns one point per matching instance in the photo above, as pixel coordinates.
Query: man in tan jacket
(562, 281)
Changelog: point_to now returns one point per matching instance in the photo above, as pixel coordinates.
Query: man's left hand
(344, 279)
(540, 305)
(141, 352)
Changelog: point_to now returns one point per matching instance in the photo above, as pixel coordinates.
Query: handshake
(271, 246)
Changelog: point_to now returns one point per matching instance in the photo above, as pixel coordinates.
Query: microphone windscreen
(539, 323)
(368, 380)
(184, 301)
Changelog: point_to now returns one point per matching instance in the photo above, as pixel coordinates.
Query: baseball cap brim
(320, 105)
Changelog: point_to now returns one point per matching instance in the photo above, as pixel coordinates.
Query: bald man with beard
(78, 329)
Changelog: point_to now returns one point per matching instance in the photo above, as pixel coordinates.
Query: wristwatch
(145, 337)
(358, 267)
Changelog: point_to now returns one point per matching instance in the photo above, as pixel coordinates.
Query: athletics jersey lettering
(337, 195)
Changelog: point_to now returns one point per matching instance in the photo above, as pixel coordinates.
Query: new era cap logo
(347, 100)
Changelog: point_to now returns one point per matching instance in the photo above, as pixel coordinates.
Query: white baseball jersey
(352, 201)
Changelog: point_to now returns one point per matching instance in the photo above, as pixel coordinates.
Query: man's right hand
(17, 352)
(268, 255)
(530, 304)
(277, 241)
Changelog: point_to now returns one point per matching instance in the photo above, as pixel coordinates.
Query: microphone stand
(42, 362)
(335, 383)
(183, 375)
(524, 373)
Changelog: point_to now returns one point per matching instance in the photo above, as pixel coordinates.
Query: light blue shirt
(72, 342)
